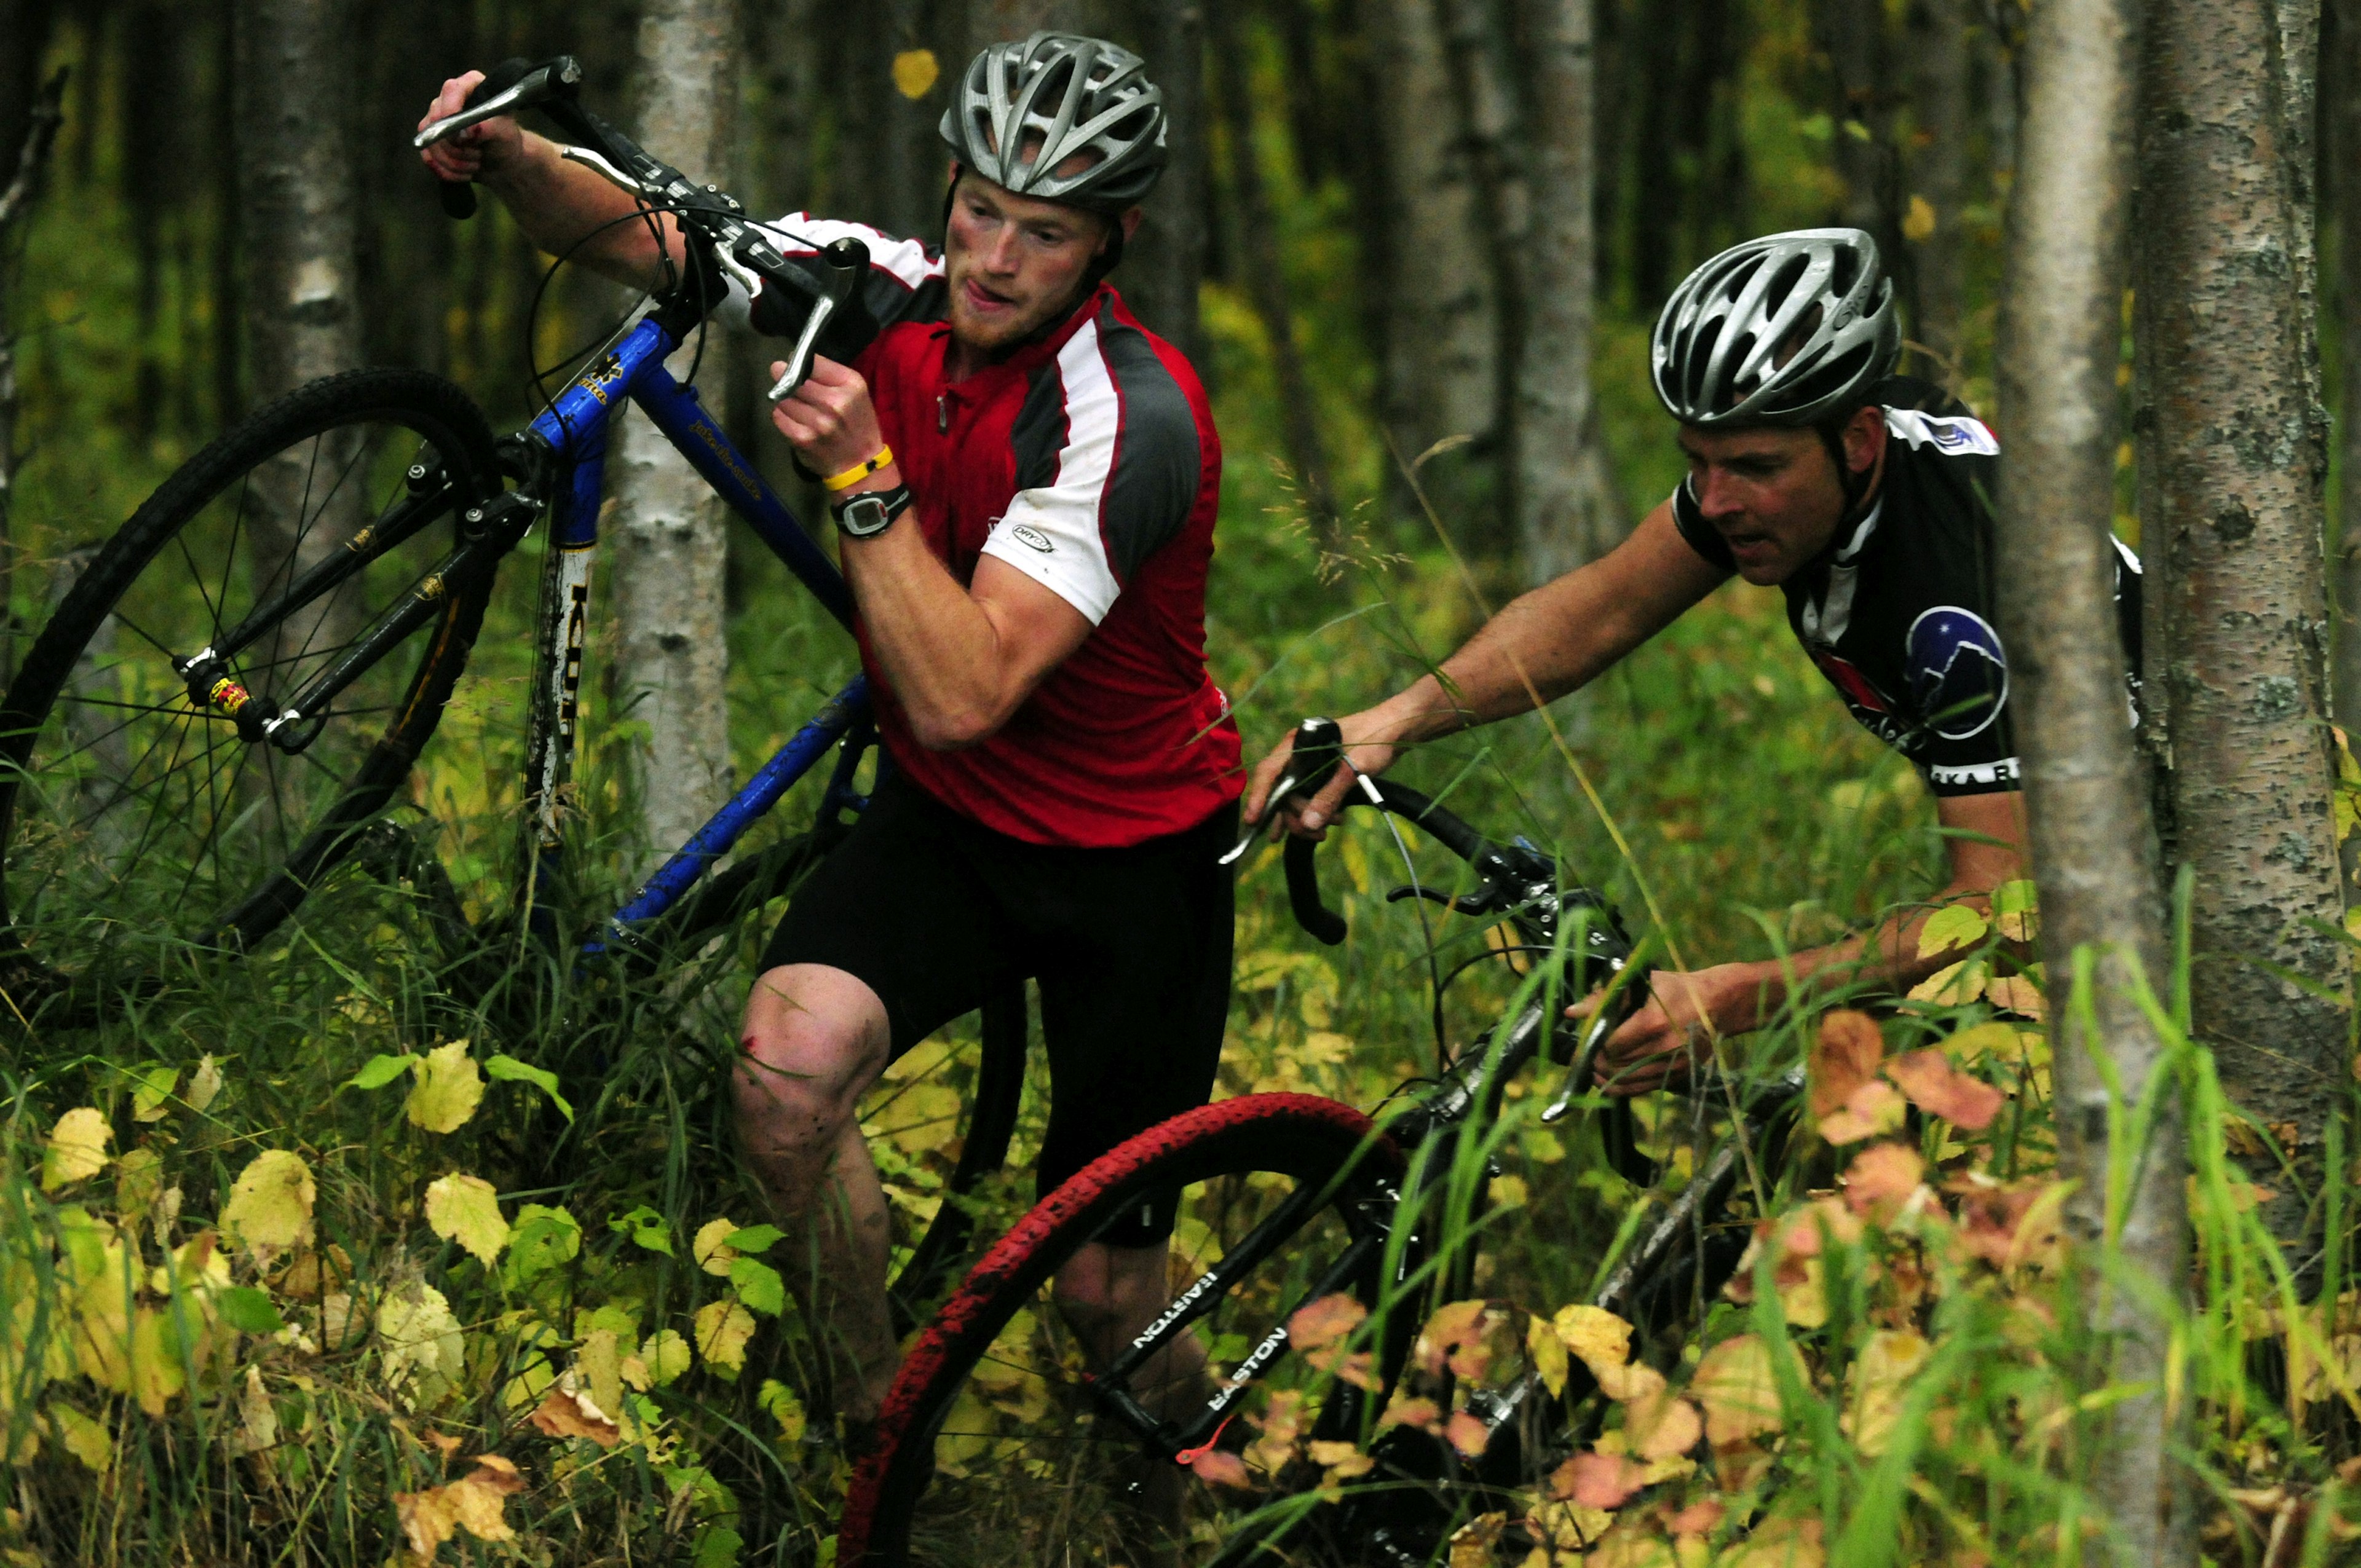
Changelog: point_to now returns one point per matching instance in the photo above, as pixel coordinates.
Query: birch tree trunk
(1439, 377)
(299, 213)
(2343, 67)
(296, 189)
(667, 530)
(1568, 512)
(2059, 349)
(1485, 116)
(2237, 643)
(1166, 261)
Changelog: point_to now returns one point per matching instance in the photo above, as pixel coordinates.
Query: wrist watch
(871, 512)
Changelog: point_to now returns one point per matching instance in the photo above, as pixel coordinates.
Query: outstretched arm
(557, 204)
(1693, 1008)
(1551, 641)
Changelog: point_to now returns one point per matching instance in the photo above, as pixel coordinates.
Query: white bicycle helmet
(1024, 110)
(1789, 329)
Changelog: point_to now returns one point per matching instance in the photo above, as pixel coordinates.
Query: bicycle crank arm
(201, 670)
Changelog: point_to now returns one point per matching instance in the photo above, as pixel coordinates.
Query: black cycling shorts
(1130, 949)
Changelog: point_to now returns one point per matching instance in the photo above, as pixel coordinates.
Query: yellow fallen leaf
(204, 1084)
(1919, 223)
(269, 1207)
(84, 1438)
(447, 1090)
(1736, 1385)
(915, 72)
(427, 1519)
(466, 1210)
(722, 1330)
(1955, 985)
(597, 1368)
(1874, 1110)
(1548, 1353)
(426, 1353)
(1879, 1374)
(711, 1248)
(1602, 1340)
(665, 1355)
(76, 1150)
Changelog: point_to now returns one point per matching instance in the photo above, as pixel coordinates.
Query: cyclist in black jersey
(1865, 498)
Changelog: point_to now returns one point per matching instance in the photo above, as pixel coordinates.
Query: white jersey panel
(1051, 533)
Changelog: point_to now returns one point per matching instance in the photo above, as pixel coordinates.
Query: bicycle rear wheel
(140, 797)
(990, 1446)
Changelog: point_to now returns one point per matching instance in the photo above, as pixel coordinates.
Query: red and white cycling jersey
(1086, 459)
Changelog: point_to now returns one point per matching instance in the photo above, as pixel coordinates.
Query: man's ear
(1864, 438)
(1130, 221)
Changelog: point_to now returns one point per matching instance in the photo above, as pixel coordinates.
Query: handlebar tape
(1304, 894)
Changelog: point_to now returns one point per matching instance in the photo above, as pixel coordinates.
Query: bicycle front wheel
(994, 1446)
(139, 794)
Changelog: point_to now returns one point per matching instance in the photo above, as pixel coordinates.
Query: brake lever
(847, 258)
(524, 93)
(1483, 902)
(597, 163)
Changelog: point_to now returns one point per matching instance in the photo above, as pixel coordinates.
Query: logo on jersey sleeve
(1958, 676)
(1868, 704)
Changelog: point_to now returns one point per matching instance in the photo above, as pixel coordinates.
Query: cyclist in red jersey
(1024, 482)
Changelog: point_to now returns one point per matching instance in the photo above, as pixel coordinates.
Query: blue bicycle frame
(575, 431)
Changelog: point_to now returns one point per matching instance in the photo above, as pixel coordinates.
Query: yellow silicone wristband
(859, 471)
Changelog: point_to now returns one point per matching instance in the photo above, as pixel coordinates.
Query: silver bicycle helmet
(1785, 329)
(1024, 110)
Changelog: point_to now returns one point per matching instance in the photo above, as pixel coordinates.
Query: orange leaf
(1736, 1384)
(1467, 1435)
(1597, 1480)
(2017, 994)
(563, 1413)
(1424, 1414)
(1881, 1177)
(1937, 1088)
(1697, 1519)
(1220, 1467)
(1845, 1057)
(1873, 1108)
(1324, 1322)
(1661, 1428)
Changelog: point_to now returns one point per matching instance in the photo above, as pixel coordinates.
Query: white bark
(1440, 379)
(667, 533)
(1568, 509)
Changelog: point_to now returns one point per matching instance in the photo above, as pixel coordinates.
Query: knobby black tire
(332, 416)
(964, 1363)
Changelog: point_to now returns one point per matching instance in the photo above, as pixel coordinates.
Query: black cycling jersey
(1898, 613)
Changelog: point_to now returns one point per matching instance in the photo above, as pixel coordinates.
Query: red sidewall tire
(1298, 1135)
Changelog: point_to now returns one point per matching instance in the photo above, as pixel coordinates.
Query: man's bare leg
(814, 1038)
(1108, 1296)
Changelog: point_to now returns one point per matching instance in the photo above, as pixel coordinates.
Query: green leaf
(508, 1070)
(248, 1311)
(647, 1228)
(151, 1085)
(1950, 928)
(381, 1070)
(759, 1287)
(2014, 897)
(541, 1239)
(754, 1238)
(717, 1547)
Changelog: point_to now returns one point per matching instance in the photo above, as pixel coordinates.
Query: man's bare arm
(558, 204)
(1551, 641)
(1986, 848)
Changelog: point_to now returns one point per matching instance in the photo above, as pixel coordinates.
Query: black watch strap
(870, 513)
